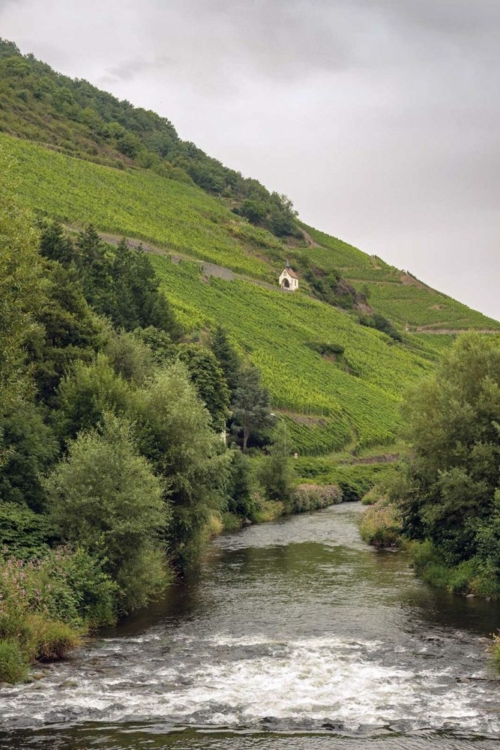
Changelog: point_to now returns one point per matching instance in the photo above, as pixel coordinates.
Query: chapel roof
(290, 272)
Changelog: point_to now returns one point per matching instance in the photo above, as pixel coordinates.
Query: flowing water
(293, 635)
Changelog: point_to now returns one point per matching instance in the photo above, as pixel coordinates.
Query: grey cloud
(129, 69)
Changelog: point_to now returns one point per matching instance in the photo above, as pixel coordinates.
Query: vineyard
(418, 306)
(137, 203)
(273, 331)
(397, 295)
(328, 402)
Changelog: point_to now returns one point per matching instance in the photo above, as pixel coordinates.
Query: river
(292, 635)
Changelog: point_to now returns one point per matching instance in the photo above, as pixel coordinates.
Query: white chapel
(289, 279)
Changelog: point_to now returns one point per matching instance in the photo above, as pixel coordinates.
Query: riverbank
(292, 627)
(380, 526)
(51, 601)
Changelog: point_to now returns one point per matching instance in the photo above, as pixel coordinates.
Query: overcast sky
(380, 119)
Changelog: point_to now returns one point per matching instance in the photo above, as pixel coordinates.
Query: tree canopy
(448, 489)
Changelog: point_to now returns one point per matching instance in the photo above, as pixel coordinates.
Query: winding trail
(209, 269)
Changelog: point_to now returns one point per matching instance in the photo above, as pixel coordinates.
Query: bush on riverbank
(308, 497)
(373, 496)
(47, 604)
(495, 651)
(266, 510)
(380, 525)
(473, 576)
(448, 488)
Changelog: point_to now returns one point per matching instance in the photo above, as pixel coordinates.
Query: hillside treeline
(73, 116)
(113, 467)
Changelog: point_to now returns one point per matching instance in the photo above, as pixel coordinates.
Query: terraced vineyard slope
(336, 382)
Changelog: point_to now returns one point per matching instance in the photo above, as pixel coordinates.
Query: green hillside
(330, 401)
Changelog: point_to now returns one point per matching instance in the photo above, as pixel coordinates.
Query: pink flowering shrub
(307, 497)
(46, 604)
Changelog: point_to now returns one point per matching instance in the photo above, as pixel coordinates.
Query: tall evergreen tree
(227, 357)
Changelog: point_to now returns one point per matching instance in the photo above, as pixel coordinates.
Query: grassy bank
(47, 604)
(380, 525)
(471, 577)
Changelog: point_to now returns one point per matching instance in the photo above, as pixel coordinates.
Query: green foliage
(13, 666)
(309, 497)
(240, 490)
(381, 324)
(68, 331)
(175, 435)
(380, 525)
(105, 497)
(226, 356)
(473, 576)
(448, 487)
(251, 406)
(87, 393)
(267, 510)
(46, 603)
(275, 473)
(21, 286)
(25, 533)
(208, 378)
(326, 350)
(130, 357)
(27, 447)
(121, 284)
(355, 480)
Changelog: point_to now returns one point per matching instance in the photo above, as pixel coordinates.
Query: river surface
(293, 635)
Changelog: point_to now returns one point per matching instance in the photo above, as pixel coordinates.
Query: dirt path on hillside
(221, 272)
(208, 269)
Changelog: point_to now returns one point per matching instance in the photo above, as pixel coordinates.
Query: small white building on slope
(289, 279)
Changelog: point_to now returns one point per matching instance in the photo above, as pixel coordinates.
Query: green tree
(27, 448)
(55, 245)
(226, 356)
(68, 330)
(209, 381)
(449, 483)
(175, 434)
(106, 498)
(252, 413)
(86, 393)
(254, 211)
(130, 357)
(275, 473)
(239, 490)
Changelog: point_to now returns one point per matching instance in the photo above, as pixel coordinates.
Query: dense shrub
(25, 533)
(47, 603)
(307, 497)
(381, 525)
(378, 321)
(275, 472)
(105, 496)
(13, 665)
(448, 488)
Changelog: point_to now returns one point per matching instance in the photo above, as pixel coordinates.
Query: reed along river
(292, 635)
